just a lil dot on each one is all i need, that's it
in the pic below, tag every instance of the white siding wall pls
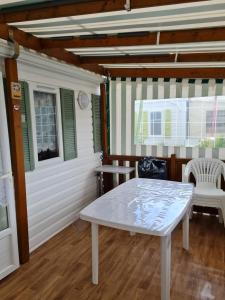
(56, 193)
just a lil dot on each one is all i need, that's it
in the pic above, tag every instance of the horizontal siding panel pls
(54, 199)
(35, 220)
(57, 216)
(58, 188)
(35, 198)
(49, 171)
(60, 177)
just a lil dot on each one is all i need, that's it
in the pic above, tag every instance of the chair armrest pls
(223, 171)
(187, 172)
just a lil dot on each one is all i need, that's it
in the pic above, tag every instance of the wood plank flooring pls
(129, 266)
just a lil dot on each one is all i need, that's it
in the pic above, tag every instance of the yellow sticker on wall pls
(15, 90)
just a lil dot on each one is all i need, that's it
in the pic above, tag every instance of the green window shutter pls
(27, 127)
(68, 124)
(168, 124)
(96, 119)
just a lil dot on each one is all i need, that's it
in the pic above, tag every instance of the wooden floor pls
(129, 266)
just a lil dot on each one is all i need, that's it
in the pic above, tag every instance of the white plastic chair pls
(207, 173)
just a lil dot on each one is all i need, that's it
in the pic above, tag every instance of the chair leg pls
(191, 213)
(223, 211)
(220, 215)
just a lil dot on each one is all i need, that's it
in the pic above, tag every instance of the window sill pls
(48, 162)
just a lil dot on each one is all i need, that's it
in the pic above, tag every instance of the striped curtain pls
(124, 91)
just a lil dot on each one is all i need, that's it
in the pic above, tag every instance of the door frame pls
(11, 231)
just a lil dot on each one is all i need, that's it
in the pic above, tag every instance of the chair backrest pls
(206, 170)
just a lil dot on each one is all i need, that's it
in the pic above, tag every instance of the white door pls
(9, 260)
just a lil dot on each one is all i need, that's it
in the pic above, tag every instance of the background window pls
(156, 119)
(215, 122)
(182, 122)
(46, 128)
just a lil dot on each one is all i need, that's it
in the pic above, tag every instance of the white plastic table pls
(147, 206)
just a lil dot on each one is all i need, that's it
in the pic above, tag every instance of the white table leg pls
(186, 231)
(94, 238)
(165, 266)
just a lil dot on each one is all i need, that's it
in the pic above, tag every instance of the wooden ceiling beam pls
(168, 72)
(166, 37)
(24, 39)
(64, 55)
(167, 58)
(79, 8)
(31, 42)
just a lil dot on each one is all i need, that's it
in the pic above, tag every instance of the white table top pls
(114, 169)
(142, 205)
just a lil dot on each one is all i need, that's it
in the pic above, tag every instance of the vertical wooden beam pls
(173, 168)
(107, 177)
(17, 158)
(104, 119)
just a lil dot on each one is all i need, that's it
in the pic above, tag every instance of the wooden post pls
(104, 119)
(17, 158)
(173, 170)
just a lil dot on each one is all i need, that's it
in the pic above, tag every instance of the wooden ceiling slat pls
(167, 37)
(168, 72)
(108, 41)
(74, 9)
(193, 35)
(127, 59)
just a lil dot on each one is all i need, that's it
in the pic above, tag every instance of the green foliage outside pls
(218, 142)
(141, 127)
(145, 125)
(168, 124)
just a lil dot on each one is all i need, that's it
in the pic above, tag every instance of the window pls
(215, 122)
(156, 119)
(46, 125)
(187, 122)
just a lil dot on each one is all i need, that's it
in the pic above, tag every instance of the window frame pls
(52, 90)
(152, 122)
(216, 123)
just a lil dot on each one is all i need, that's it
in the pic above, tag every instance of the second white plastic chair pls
(207, 173)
